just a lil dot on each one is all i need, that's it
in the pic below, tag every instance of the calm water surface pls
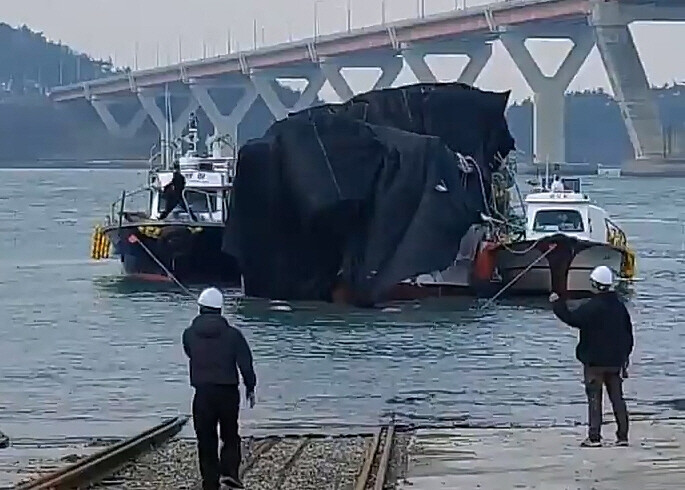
(85, 353)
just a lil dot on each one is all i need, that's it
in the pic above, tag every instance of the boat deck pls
(547, 459)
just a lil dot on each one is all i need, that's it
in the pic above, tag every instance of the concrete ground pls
(548, 459)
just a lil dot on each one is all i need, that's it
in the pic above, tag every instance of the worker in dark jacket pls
(173, 195)
(216, 351)
(606, 342)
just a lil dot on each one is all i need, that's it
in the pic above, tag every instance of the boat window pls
(198, 201)
(572, 184)
(558, 220)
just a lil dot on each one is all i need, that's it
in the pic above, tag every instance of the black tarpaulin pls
(364, 194)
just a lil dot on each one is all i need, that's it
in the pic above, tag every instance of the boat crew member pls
(173, 194)
(606, 342)
(557, 185)
(216, 351)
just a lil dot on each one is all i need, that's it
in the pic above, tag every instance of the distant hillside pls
(33, 128)
(29, 63)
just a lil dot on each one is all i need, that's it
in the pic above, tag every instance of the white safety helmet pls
(211, 298)
(602, 277)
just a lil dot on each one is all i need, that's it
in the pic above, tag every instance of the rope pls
(519, 275)
(466, 165)
(521, 252)
(163, 267)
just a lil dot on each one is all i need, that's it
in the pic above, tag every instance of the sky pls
(145, 33)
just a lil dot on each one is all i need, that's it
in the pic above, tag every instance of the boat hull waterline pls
(538, 279)
(190, 251)
(507, 264)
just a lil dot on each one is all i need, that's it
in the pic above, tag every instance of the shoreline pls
(421, 458)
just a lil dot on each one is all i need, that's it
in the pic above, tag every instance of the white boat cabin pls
(569, 212)
(208, 182)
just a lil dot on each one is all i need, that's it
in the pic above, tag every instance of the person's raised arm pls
(578, 318)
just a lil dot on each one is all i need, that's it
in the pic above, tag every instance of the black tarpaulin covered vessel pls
(364, 194)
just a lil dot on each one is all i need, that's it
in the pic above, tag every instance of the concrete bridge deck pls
(390, 47)
(549, 459)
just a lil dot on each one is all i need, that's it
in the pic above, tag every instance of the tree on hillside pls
(30, 63)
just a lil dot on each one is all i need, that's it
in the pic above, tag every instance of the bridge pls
(469, 32)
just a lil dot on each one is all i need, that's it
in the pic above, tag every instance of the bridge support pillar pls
(549, 142)
(148, 99)
(389, 63)
(128, 130)
(266, 84)
(224, 125)
(628, 80)
(478, 52)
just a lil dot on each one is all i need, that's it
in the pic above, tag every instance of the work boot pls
(231, 482)
(591, 443)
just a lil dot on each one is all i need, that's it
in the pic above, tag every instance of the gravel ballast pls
(290, 463)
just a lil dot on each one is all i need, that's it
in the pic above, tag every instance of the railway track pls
(349, 462)
(103, 463)
(377, 457)
(301, 462)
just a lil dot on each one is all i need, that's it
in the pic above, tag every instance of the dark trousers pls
(216, 405)
(595, 379)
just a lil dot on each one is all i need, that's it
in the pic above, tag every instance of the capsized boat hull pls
(191, 251)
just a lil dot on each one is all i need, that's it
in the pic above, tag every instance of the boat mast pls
(168, 128)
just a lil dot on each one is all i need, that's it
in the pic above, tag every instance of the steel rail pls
(106, 462)
(382, 470)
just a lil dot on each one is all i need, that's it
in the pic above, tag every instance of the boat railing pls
(118, 216)
(208, 197)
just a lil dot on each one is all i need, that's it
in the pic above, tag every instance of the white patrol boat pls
(566, 236)
(179, 234)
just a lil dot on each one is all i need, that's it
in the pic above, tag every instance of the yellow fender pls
(100, 244)
(628, 264)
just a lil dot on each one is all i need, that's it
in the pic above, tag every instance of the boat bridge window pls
(571, 184)
(198, 201)
(558, 220)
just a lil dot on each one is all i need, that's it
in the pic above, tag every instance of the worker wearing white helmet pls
(557, 185)
(216, 351)
(604, 348)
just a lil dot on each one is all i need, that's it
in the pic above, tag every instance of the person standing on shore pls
(606, 342)
(216, 351)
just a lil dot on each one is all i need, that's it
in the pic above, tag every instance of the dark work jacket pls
(216, 351)
(174, 189)
(606, 332)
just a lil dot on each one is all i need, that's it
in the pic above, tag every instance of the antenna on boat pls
(166, 140)
(168, 127)
(547, 187)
